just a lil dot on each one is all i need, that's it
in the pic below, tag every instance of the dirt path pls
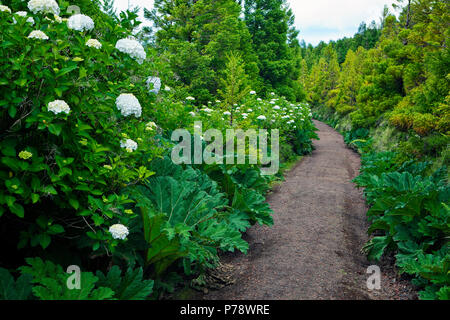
(313, 249)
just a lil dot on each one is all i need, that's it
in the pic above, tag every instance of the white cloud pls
(123, 4)
(333, 19)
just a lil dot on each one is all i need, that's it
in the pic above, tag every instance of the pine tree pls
(270, 23)
(234, 83)
(195, 36)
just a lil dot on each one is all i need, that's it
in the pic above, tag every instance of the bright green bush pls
(411, 211)
(61, 169)
(82, 173)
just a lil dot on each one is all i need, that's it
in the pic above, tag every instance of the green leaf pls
(44, 240)
(130, 286)
(55, 128)
(18, 210)
(66, 70)
(375, 247)
(34, 197)
(14, 290)
(74, 203)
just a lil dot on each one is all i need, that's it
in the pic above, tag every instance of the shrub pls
(63, 150)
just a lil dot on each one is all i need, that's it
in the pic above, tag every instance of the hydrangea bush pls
(74, 109)
(85, 119)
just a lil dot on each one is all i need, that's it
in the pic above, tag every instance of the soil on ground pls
(313, 250)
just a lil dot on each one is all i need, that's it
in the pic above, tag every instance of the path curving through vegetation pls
(313, 249)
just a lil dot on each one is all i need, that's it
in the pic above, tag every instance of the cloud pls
(333, 19)
(123, 4)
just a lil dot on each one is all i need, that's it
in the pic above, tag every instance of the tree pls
(194, 36)
(270, 22)
(234, 83)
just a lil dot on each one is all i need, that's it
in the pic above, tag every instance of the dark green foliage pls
(11, 289)
(50, 283)
(270, 23)
(197, 39)
(184, 216)
(245, 187)
(411, 210)
(129, 286)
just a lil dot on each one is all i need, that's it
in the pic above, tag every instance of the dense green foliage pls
(87, 179)
(409, 208)
(394, 95)
(85, 171)
(403, 78)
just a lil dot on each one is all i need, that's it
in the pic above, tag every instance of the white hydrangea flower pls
(23, 14)
(190, 98)
(94, 43)
(227, 113)
(156, 84)
(128, 104)
(259, 99)
(249, 110)
(207, 110)
(150, 126)
(261, 117)
(132, 48)
(43, 6)
(129, 145)
(252, 92)
(80, 22)
(119, 231)
(58, 106)
(276, 108)
(5, 9)
(37, 34)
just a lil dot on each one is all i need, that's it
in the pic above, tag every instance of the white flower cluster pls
(43, 6)
(5, 9)
(252, 92)
(150, 126)
(129, 145)
(128, 104)
(261, 117)
(190, 98)
(58, 106)
(80, 22)
(133, 48)
(156, 84)
(94, 43)
(23, 14)
(119, 231)
(37, 34)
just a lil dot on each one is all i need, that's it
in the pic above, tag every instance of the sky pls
(317, 19)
